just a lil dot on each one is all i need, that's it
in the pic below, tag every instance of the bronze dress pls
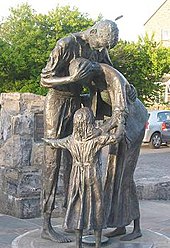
(85, 196)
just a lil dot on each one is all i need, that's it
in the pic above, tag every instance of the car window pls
(168, 116)
(163, 116)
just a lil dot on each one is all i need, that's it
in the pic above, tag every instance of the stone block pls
(11, 103)
(29, 207)
(12, 188)
(30, 184)
(22, 148)
(32, 103)
(163, 190)
(6, 127)
(1, 176)
(16, 151)
(20, 183)
(20, 193)
(37, 155)
(154, 191)
(23, 124)
(6, 153)
(23, 208)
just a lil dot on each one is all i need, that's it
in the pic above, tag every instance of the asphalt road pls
(153, 164)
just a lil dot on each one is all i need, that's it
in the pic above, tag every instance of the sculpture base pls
(148, 240)
(90, 239)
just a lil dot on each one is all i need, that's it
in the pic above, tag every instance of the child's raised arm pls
(56, 143)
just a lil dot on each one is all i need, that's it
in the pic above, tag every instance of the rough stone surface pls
(152, 174)
(154, 190)
(20, 156)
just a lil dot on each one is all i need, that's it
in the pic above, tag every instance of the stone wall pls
(21, 155)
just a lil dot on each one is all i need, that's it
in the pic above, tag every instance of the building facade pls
(159, 24)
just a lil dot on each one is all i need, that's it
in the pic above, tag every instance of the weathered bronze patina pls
(82, 60)
(63, 99)
(85, 208)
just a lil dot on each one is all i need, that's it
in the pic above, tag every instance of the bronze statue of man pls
(63, 99)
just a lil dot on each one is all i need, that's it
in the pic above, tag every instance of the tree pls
(143, 64)
(26, 40)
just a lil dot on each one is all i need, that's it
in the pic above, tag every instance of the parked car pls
(157, 129)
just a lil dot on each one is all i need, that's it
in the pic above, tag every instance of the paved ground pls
(152, 174)
(155, 216)
(153, 165)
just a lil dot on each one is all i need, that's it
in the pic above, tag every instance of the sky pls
(135, 12)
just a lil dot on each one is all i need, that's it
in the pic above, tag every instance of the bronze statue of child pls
(85, 196)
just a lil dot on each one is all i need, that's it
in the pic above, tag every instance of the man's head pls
(104, 34)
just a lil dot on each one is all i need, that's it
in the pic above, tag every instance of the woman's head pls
(81, 66)
(75, 64)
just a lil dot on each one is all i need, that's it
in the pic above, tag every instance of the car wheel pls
(155, 141)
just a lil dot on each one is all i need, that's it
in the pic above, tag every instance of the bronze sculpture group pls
(79, 60)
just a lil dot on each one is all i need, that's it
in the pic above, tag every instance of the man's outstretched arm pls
(83, 71)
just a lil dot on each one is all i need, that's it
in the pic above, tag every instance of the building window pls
(165, 34)
(38, 127)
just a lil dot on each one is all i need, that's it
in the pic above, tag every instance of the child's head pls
(83, 123)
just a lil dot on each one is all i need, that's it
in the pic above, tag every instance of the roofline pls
(155, 11)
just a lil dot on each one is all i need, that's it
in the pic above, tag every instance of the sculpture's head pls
(77, 64)
(83, 123)
(104, 34)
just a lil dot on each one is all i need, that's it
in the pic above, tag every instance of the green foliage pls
(142, 63)
(26, 40)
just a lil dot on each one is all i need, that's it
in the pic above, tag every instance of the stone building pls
(21, 154)
(159, 24)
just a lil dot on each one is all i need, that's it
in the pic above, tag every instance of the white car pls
(157, 129)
